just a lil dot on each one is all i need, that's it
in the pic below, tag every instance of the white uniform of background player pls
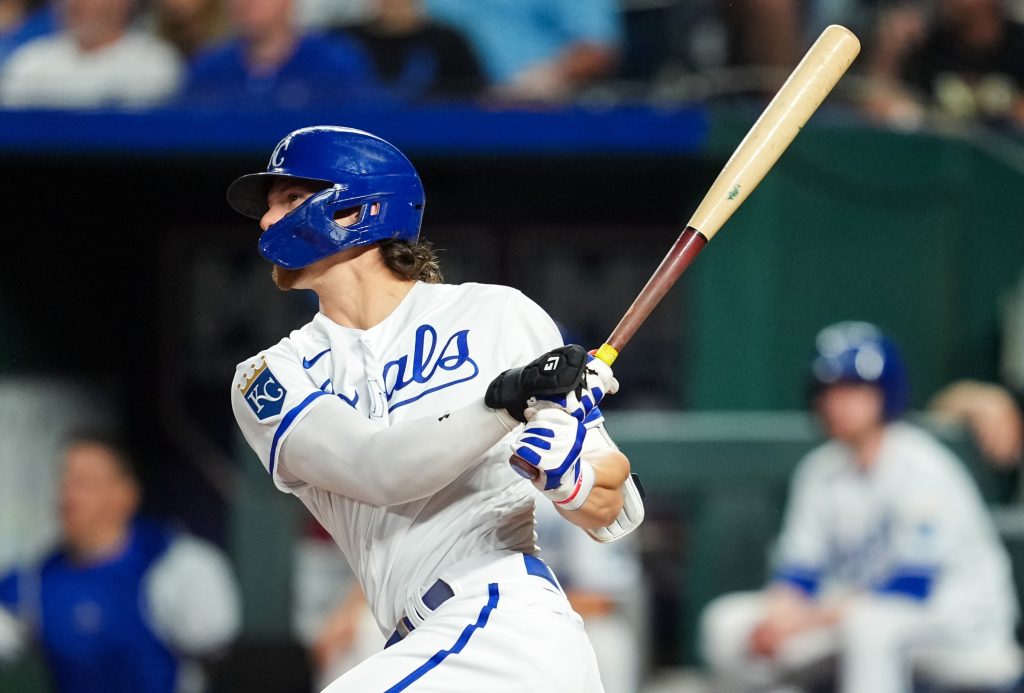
(900, 559)
(383, 434)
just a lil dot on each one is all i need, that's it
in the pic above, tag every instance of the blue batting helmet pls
(858, 352)
(357, 170)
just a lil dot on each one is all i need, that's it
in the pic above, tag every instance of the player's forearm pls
(611, 468)
(395, 464)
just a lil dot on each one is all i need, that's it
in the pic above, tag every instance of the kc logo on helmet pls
(277, 158)
(265, 394)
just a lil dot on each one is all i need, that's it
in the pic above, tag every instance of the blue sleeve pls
(807, 580)
(9, 591)
(915, 582)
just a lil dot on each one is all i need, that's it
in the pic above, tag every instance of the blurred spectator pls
(537, 49)
(21, 21)
(764, 33)
(888, 560)
(604, 586)
(992, 415)
(415, 57)
(190, 25)
(96, 61)
(966, 61)
(123, 602)
(272, 63)
(325, 13)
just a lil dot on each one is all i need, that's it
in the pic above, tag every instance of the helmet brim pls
(247, 194)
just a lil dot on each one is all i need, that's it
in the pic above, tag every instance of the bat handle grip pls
(607, 353)
(523, 468)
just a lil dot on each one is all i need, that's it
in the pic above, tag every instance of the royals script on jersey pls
(437, 351)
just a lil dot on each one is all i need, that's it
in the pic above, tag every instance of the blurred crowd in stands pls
(923, 60)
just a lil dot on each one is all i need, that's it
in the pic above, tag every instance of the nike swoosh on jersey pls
(308, 363)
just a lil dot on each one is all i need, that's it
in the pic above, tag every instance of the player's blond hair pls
(412, 260)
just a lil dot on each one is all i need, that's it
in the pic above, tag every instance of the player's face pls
(284, 196)
(850, 411)
(95, 495)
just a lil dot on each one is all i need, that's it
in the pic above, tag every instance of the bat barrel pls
(797, 99)
(789, 110)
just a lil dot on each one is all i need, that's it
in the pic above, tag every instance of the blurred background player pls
(887, 562)
(124, 605)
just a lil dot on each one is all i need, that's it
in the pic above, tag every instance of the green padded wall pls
(918, 233)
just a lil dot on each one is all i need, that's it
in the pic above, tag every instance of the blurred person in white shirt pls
(98, 61)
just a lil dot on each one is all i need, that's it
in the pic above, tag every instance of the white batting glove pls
(547, 452)
(598, 382)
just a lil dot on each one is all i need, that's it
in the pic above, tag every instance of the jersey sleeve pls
(802, 547)
(307, 437)
(270, 395)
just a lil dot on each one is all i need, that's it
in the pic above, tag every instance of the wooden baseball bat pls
(804, 90)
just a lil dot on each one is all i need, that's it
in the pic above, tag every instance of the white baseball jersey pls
(913, 525)
(399, 518)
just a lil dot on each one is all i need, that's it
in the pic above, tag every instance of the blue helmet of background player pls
(357, 170)
(858, 352)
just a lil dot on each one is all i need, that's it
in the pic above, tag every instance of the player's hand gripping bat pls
(807, 86)
(804, 90)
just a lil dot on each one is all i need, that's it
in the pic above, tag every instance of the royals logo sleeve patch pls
(263, 392)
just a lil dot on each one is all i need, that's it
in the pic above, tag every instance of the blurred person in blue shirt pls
(21, 21)
(124, 604)
(538, 49)
(272, 63)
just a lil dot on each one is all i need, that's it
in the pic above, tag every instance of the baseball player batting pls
(391, 416)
